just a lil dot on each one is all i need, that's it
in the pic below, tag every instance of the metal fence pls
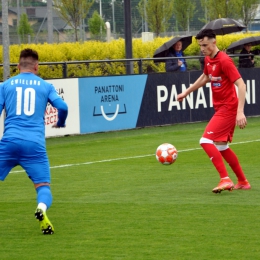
(67, 69)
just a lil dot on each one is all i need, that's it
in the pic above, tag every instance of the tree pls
(157, 13)
(24, 28)
(95, 23)
(136, 20)
(184, 11)
(222, 8)
(238, 9)
(73, 11)
(248, 11)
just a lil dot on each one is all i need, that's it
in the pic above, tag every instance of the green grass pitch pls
(113, 200)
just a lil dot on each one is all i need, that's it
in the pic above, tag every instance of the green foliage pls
(109, 204)
(109, 51)
(157, 14)
(222, 8)
(96, 26)
(73, 11)
(184, 11)
(24, 28)
(237, 9)
(50, 71)
(248, 10)
(193, 64)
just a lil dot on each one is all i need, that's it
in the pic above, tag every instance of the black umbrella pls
(223, 26)
(238, 45)
(164, 49)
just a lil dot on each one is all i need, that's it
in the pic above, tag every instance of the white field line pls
(132, 157)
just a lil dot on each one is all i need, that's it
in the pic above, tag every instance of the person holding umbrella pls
(176, 64)
(246, 61)
(173, 48)
(221, 71)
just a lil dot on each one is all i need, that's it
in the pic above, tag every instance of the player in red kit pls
(220, 70)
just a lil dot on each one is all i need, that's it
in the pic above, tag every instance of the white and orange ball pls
(166, 154)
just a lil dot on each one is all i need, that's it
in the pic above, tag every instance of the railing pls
(63, 66)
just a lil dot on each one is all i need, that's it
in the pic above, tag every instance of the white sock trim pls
(222, 147)
(204, 140)
(42, 206)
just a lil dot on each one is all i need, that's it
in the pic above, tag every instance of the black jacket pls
(172, 65)
(246, 61)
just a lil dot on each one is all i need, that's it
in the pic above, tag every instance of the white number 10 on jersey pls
(28, 105)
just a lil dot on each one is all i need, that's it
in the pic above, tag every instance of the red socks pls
(233, 162)
(216, 158)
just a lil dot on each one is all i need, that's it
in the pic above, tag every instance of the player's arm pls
(1, 109)
(229, 68)
(200, 82)
(241, 119)
(62, 108)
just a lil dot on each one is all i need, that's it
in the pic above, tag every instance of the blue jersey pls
(25, 98)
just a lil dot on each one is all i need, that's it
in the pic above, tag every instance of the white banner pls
(69, 91)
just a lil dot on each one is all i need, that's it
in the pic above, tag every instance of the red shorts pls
(221, 126)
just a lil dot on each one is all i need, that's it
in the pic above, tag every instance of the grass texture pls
(114, 201)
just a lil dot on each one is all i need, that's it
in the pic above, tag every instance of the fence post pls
(140, 66)
(64, 70)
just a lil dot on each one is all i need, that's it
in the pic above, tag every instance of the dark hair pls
(29, 53)
(206, 33)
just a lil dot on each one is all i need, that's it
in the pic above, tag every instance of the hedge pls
(95, 50)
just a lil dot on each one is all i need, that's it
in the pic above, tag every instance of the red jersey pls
(222, 73)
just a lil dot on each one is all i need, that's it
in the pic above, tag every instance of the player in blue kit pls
(25, 98)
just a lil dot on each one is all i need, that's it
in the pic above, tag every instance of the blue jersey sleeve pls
(62, 111)
(57, 102)
(53, 94)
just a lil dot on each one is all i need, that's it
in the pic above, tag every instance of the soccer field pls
(113, 200)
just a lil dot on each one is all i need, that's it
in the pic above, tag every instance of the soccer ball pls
(166, 154)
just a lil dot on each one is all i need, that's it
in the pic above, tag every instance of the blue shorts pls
(29, 155)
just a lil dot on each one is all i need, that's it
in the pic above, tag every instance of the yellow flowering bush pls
(115, 50)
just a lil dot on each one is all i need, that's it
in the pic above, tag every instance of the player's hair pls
(28, 57)
(206, 33)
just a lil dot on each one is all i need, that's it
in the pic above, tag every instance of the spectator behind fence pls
(246, 61)
(176, 64)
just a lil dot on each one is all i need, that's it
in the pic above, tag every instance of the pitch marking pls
(131, 157)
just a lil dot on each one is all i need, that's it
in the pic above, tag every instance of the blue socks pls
(44, 195)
